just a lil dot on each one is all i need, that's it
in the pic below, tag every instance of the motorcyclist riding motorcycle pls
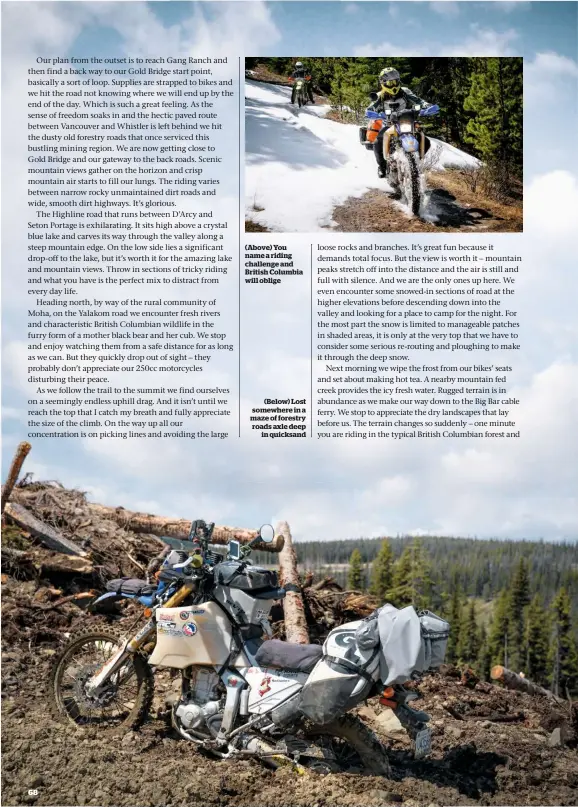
(299, 71)
(397, 98)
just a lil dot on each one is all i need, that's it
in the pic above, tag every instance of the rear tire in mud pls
(135, 710)
(413, 190)
(359, 737)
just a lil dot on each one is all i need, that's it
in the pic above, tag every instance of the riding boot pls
(381, 161)
(293, 90)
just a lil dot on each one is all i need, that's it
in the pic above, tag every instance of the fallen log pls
(293, 608)
(512, 680)
(163, 526)
(21, 453)
(32, 562)
(46, 534)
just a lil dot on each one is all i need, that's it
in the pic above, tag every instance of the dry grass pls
(253, 227)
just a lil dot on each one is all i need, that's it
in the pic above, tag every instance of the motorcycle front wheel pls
(353, 746)
(123, 706)
(412, 185)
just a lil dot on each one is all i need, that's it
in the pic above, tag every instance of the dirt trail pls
(448, 207)
(474, 761)
(490, 746)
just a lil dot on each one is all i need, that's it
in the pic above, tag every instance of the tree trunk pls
(19, 457)
(43, 532)
(512, 680)
(164, 526)
(293, 608)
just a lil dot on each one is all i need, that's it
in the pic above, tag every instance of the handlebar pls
(391, 114)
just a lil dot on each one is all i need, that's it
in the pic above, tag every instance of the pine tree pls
(356, 576)
(455, 620)
(382, 572)
(412, 584)
(563, 657)
(484, 661)
(469, 641)
(495, 128)
(499, 633)
(519, 600)
(538, 631)
(421, 581)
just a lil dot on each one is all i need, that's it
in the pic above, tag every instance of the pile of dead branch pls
(327, 605)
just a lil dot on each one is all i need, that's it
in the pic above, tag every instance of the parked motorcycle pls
(242, 694)
(403, 148)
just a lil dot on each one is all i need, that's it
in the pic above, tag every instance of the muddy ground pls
(476, 759)
(449, 207)
(490, 746)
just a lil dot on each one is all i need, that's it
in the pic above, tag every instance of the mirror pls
(374, 96)
(267, 534)
(234, 550)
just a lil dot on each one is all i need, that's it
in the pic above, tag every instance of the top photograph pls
(392, 144)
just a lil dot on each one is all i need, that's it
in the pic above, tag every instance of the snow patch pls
(299, 165)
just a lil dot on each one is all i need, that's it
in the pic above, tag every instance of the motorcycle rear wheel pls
(357, 744)
(120, 710)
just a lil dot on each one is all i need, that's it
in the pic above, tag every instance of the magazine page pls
(289, 403)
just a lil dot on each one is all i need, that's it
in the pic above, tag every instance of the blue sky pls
(342, 488)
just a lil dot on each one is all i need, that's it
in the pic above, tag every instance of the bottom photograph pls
(149, 660)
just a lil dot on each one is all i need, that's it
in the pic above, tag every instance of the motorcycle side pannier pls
(435, 633)
(340, 679)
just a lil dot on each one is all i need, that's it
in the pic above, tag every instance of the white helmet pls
(298, 64)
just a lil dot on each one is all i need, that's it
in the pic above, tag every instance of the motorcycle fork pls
(129, 647)
(421, 145)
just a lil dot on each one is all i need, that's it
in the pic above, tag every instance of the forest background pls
(480, 99)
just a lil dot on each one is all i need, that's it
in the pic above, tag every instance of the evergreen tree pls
(499, 634)
(519, 600)
(421, 581)
(412, 584)
(469, 641)
(356, 577)
(538, 633)
(382, 572)
(401, 591)
(495, 128)
(484, 661)
(563, 658)
(455, 620)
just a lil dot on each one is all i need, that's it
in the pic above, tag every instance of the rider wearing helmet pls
(395, 97)
(299, 71)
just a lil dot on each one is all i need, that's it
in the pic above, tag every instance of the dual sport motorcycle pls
(403, 144)
(244, 694)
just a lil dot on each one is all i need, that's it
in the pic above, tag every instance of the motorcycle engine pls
(201, 703)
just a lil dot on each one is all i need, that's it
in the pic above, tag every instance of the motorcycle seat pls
(130, 587)
(288, 655)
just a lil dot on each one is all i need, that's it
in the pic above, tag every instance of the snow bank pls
(299, 165)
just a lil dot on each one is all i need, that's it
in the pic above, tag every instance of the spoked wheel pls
(123, 705)
(349, 746)
(412, 189)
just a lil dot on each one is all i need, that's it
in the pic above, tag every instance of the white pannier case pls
(391, 645)
(341, 678)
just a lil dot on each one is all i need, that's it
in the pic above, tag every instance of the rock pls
(383, 796)
(539, 737)
(455, 732)
(37, 781)
(128, 739)
(556, 739)
(389, 723)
